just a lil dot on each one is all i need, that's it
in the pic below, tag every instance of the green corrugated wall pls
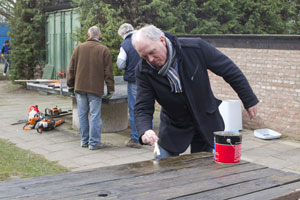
(59, 44)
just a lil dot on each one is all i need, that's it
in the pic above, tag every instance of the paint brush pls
(156, 152)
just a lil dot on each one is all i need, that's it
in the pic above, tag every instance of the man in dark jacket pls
(127, 60)
(174, 72)
(90, 66)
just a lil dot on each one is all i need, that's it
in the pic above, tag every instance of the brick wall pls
(272, 67)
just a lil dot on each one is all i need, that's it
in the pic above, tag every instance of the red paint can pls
(228, 147)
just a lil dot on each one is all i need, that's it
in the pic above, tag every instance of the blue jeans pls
(165, 154)
(7, 64)
(90, 129)
(131, 90)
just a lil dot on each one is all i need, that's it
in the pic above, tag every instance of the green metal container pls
(59, 43)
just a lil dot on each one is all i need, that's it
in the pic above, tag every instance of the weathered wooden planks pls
(194, 176)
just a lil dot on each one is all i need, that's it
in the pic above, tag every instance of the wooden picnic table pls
(193, 176)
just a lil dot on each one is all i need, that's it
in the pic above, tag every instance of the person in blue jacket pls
(5, 55)
(174, 72)
(127, 60)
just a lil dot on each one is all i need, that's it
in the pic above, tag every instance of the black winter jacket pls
(199, 113)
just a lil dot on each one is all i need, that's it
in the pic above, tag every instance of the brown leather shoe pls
(133, 144)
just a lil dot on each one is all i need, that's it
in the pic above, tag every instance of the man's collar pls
(93, 39)
(128, 34)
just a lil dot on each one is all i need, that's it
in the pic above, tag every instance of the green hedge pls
(175, 16)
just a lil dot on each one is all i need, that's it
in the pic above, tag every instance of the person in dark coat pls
(127, 60)
(173, 71)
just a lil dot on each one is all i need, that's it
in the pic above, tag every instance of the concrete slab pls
(276, 163)
(291, 155)
(69, 164)
(94, 157)
(39, 150)
(63, 155)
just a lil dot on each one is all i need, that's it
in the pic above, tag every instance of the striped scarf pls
(170, 68)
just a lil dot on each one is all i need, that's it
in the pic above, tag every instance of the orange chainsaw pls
(47, 124)
(54, 112)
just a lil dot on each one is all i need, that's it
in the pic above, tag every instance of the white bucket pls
(231, 111)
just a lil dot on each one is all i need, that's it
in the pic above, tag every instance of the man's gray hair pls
(149, 31)
(125, 28)
(94, 31)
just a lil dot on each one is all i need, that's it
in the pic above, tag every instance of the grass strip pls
(16, 163)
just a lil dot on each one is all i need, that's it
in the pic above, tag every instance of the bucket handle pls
(228, 140)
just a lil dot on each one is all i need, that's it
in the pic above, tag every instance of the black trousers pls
(199, 144)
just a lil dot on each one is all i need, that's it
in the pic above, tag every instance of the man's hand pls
(252, 111)
(109, 95)
(71, 91)
(149, 137)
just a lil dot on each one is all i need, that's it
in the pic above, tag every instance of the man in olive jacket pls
(89, 68)
(174, 73)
